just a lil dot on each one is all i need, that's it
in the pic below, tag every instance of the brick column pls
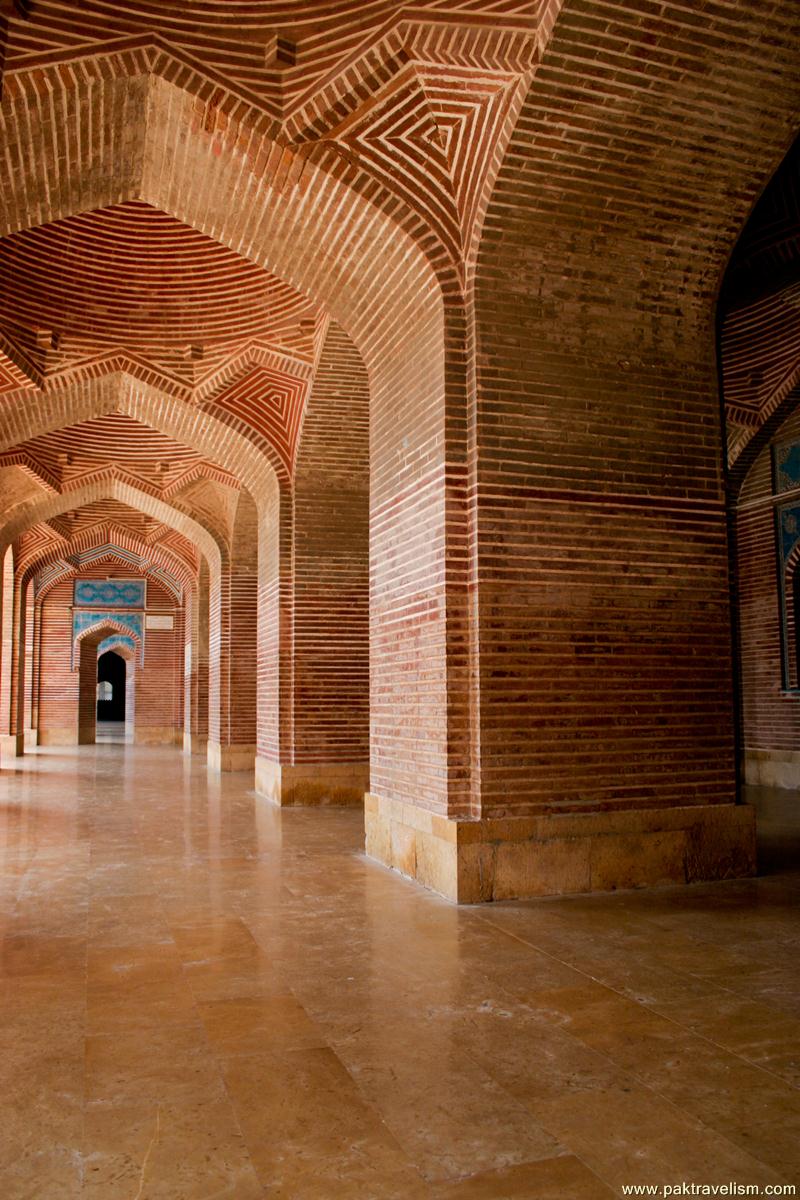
(195, 665)
(195, 739)
(87, 691)
(233, 653)
(130, 697)
(328, 759)
(600, 686)
(19, 661)
(159, 683)
(8, 744)
(36, 669)
(28, 726)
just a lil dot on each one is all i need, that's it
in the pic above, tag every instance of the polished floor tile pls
(205, 998)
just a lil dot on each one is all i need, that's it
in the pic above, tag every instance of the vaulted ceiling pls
(134, 279)
(411, 108)
(114, 443)
(277, 49)
(39, 478)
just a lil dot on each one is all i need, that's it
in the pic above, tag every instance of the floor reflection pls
(203, 996)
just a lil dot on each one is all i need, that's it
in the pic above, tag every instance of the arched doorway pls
(103, 645)
(111, 689)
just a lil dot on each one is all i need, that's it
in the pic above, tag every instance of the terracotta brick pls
(389, 360)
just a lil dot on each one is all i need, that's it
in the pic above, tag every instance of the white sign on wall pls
(159, 621)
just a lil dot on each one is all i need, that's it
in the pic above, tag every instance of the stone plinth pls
(473, 861)
(58, 736)
(154, 735)
(12, 745)
(195, 743)
(230, 758)
(772, 768)
(341, 785)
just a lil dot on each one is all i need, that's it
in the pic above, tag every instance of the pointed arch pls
(24, 515)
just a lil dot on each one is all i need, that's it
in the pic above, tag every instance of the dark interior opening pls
(111, 670)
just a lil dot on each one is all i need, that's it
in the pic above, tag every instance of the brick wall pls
(331, 583)
(242, 649)
(158, 684)
(604, 653)
(7, 642)
(274, 653)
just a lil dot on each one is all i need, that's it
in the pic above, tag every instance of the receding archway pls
(110, 687)
(119, 664)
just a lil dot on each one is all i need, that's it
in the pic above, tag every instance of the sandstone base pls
(195, 743)
(12, 745)
(230, 758)
(154, 735)
(58, 737)
(772, 768)
(474, 861)
(340, 785)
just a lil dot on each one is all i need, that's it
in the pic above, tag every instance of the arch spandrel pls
(105, 627)
(94, 548)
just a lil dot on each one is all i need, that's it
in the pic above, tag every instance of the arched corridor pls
(400, 512)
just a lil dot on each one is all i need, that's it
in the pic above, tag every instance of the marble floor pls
(204, 997)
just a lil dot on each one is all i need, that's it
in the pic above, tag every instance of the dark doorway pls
(110, 687)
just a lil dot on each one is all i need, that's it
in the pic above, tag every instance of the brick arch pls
(231, 180)
(105, 532)
(25, 515)
(85, 656)
(212, 167)
(32, 414)
(765, 343)
(103, 628)
(121, 648)
(749, 453)
(99, 539)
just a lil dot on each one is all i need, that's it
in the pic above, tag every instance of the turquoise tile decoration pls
(109, 593)
(786, 466)
(115, 640)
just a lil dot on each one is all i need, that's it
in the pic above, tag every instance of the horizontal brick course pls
(385, 350)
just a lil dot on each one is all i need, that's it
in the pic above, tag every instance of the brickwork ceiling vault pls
(410, 107)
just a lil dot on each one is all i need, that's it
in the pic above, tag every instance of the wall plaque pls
(159, 621)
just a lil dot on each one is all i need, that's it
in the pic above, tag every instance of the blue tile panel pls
(109, 593)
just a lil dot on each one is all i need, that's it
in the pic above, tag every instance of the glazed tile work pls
(207, 997)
